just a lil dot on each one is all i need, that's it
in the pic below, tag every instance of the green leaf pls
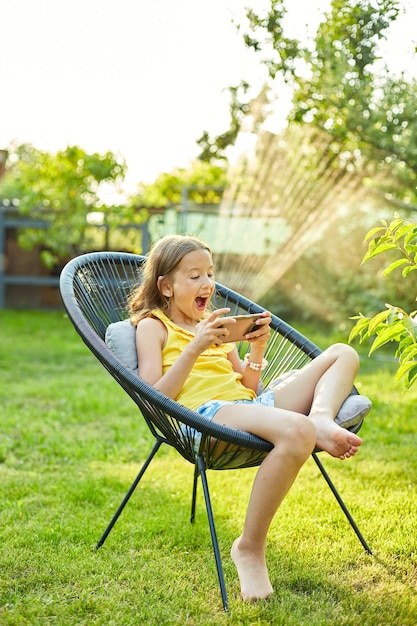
(411, 377)
(391, 333)
(379, 249)
(373, 232)
(404, 368)
(402, 231)
(396, 225)
(410, 326)
(393, 312)
(406, 271)
(360, 328)
(411, 236)
(394, 266)
(378, 319)
(408, 353)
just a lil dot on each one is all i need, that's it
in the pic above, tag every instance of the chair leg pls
(194, 496)
(125, 500)
(341, 503)
(202, 472)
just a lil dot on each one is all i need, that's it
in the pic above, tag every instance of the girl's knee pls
(301, 435)
(346, 353)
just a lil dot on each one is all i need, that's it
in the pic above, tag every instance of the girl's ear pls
(164, 287)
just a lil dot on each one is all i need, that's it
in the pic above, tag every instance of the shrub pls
(393, 324)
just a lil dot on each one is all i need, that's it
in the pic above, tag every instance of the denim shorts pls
(210, 408)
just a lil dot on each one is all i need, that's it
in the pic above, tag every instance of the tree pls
(285, 53)
(391, 138)
(369, 113)
(265, 35)
(64, 189)
(340, 87)
(213, 148)
(365, 115)
(204, 184)
(394, 324)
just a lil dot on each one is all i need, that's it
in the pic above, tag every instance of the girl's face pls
(191, 287)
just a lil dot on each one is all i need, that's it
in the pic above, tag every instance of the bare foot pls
(335, 440)
(253, 574)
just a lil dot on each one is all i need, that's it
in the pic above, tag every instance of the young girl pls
(183, 352)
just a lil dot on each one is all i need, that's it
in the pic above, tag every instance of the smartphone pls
(244, 324)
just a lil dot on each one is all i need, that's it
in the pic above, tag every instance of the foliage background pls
(341, 88)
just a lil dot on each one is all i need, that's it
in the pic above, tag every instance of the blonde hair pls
(163, 259)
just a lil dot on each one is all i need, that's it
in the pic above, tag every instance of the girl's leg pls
(293, 436)
(318, 390)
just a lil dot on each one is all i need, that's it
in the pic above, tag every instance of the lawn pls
(71, 442)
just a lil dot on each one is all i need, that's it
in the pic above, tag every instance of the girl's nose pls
(208, 281)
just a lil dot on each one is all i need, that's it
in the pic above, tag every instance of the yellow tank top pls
(212, 376)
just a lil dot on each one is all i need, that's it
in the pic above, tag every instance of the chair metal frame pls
(94, 289)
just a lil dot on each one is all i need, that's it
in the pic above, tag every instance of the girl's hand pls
(260, 336)
(211, 331)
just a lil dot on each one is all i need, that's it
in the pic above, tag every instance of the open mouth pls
(201, 303)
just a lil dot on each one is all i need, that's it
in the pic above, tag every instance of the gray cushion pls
(121, 339)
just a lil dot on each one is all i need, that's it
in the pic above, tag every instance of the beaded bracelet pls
(258, 367)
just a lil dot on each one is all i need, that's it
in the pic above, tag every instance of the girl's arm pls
(258, 341)
(151, 336)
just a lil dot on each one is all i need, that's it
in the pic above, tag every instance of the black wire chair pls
(94, 289)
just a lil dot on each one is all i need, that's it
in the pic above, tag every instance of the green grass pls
(71, 442)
